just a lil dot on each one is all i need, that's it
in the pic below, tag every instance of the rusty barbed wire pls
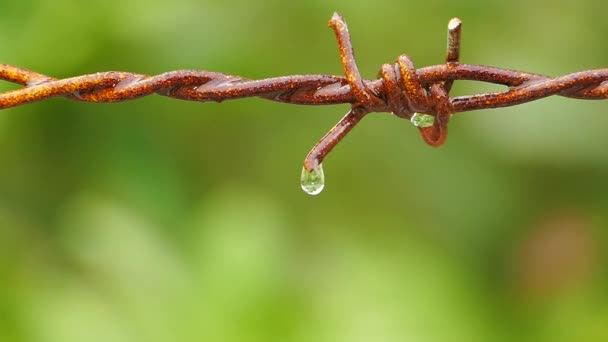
(401, 89)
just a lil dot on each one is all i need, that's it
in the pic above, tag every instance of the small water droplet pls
(38, 81)
(127, 82)
(422, 120)
(313, 182)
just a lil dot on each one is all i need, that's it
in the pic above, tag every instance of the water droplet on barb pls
(313, 182)
(422, 120)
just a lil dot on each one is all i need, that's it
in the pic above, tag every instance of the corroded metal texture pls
(401, 89)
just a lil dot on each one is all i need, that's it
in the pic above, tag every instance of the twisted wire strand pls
(401, 89)
(198, 85)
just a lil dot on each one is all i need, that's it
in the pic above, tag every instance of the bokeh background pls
(163, 220)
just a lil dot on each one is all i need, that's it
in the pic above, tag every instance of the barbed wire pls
(401, 89)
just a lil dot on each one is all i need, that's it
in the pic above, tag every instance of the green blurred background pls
(164, 220)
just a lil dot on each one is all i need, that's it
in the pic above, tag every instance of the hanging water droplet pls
(313, 182)
(422, 120)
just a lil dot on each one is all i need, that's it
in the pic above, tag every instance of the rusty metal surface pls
(401, 89)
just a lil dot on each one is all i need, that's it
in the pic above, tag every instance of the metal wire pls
(402, 90)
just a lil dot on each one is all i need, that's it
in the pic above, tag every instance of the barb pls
(401, 89)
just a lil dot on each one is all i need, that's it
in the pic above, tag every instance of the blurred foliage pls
(163, 220)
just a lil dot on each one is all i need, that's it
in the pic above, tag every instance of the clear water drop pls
(313, 182)
(422, 120)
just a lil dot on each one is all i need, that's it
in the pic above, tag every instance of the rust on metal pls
(401, 89)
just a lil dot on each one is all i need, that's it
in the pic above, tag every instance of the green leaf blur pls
(163, 220)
